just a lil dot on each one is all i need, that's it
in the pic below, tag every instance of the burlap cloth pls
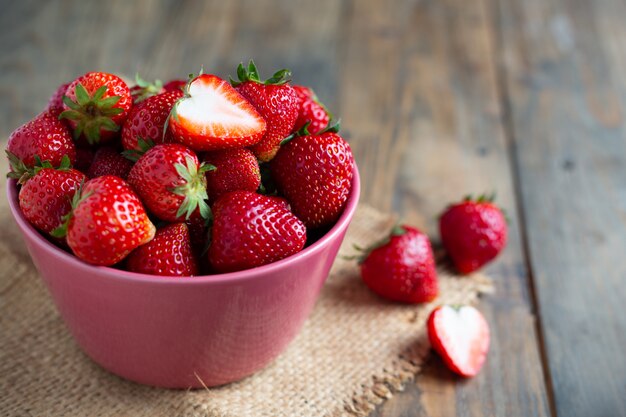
(354, 351)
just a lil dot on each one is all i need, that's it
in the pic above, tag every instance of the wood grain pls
(416, 85)
(563, 63)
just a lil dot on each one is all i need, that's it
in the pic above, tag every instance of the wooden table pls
(438, 98)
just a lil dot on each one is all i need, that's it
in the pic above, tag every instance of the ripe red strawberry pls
(171, 182)
(402, 268)
(47, 196)
(84, 158)
(175, 85)
(44, 137)
(144, 89)
(108, 161)
(213, 116)
(310, 110)
(473, 232)
(251, 230)
(96, 106)
(55, 104)
(168, 254)
(460, 335)
(275, 100)
(147, 120)
(235, 169)
(315, 174)
(106, 223)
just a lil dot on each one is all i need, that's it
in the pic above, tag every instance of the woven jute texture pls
(354, 351)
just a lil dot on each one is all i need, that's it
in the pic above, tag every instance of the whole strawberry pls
(168, 254)
(473, 232)
(235, 169)
(106, 223)
(84, 158)
(144, 89)
(315, 173)
(46, 197)
(402, 268)
(310, 110)
(44, 138)
(55, 104)
(171, 182)
(108, 161)
(213, 115)
(251, 230)
(275, 100)
(147, 119)
(175, 85)
(96, 106)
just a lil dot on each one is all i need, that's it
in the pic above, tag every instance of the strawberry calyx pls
(333, 127)
(396, 230)
(144, 89)
(194, 188)
(144, 146)
(482, 198)
(23, 173)
(92, 113)
(79, 197)
(250, 73)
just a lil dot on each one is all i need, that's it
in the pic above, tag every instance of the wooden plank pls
(563, 63)
(419, 99)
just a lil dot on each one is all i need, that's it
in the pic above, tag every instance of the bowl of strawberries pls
(184, 230)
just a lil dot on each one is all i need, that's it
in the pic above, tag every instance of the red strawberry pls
(44, 137)
(107, 161)
(144, 89)
(473, 233)
(235, 169)
(213, 116)
(96, 106)
(147, 120)
(275, 100)
(84, 158)
(47, 196)
(251, 230)
(171, 182)
(55, 104)
(175, 85)
(402, 268)
(460, 335)
(107, 222)
(315, 174)
(310, 110)
(168, 254)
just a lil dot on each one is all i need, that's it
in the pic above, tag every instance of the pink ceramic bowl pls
(181, 333)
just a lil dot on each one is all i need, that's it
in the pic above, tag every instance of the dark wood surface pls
(438, 98)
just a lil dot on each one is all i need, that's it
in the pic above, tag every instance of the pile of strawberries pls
(183, 178)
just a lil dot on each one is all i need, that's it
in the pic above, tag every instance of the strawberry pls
(315, 173)
(275, 100)
(84, 158)
(460, 335)
(251, 230)
(168, 254)
(96, 105)
(175, 85)
(235, 169)
(171, 182)
(144, 89)
(55, 104)
(310, 110)
(401, 267)
(473, 232)
(147, 120)
(44, 138)
(107, 161)
(213, 115)
(106, 223)
(47, 196)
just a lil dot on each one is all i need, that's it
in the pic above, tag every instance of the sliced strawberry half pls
(460, 335)
(213, 116)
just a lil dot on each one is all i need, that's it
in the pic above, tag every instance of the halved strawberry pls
(460, 335)
(213, 115)
(168, 254)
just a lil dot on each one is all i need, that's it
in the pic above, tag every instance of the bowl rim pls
(229, 277)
